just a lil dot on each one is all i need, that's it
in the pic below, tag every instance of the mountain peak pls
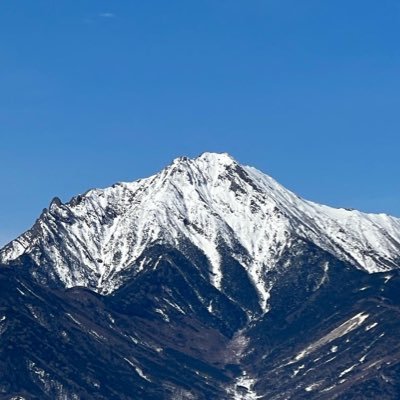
(221, 158)
(206, 163)
(211, 202)
(207, 157)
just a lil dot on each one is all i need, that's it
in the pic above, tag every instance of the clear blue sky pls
(94, 92)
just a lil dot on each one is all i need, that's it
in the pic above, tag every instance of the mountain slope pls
(331, 333)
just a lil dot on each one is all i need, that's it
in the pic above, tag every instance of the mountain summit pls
(98, 239)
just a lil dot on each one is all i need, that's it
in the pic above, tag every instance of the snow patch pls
(243, 389)
(138, 370)
(369, 327)
(338, 332)
(73, 319)
(312, 387)
(346, 371)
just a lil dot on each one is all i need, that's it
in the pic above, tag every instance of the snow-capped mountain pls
(206, 281)
(210, 201)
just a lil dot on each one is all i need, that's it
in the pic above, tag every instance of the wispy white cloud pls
(92, 19)
(107, 15)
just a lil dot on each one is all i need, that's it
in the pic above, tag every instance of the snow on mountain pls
(210, 201)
